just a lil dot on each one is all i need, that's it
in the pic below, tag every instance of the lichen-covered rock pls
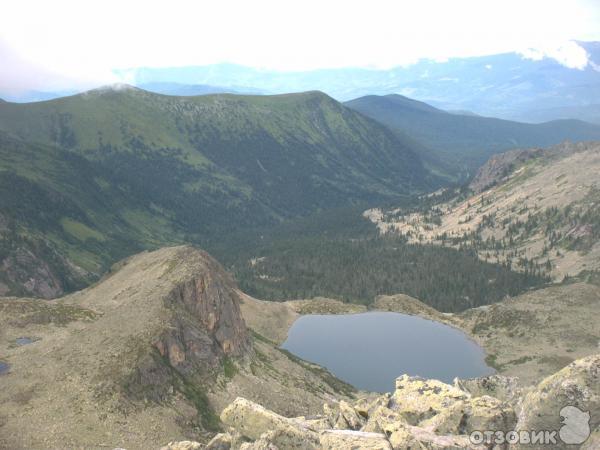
(261, 444)
(221, 441)
(352, 440)
(183, 445)
(290, 437)
(577, 385)
(430, 415)
(343, 416)
(473, 414)
(402, 437)
(498, 386)
(366, 405)
(314, 423)
(380, 418)
(251, 419)
(417, 399)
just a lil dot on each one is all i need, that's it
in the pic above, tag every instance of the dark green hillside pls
(90, 178)
(63, 219)
(294, 152)
(467, 140)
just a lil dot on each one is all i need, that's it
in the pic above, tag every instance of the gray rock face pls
(207, 322)
(24, 268)
(204, 325)
(500, 166)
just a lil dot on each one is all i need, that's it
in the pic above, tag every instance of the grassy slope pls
(99, 175)
(464, 139)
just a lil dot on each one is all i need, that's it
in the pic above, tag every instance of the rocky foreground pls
(425, 414)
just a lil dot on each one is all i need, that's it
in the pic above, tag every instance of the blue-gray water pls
(370, 350)
(24, 341)
(3, 367)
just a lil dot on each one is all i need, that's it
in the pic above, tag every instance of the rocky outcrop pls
(499, 386)
(568, 401)
(24, 268)
(206, 318)
(203, 326)
(420, 413)
(499, 167)
(431, 415)
(134, 359)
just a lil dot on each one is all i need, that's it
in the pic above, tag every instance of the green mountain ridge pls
(467, 141)
(88, 179)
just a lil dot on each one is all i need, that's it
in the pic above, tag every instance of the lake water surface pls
(370, 350)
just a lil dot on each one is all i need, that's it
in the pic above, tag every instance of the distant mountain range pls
(506, 85)
(91, 178)
(166, 88)
(509, 86)
(467, 140)
(179, 89)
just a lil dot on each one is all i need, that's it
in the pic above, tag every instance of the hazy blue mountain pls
(36, 96)
(178, 89)
(589, 113)
(467, 139)
(504, 85)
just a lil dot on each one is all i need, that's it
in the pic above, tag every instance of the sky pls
(62, 44)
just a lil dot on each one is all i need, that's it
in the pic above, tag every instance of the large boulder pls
(498, 386)
(352, 440)
(183, 445)
(403, 436)
(343, 416)
(366, 405)
(431, 415)
(574, 394)
(222, 441)
(289, 437)
(417, 399)
(381, 418)
(251, 419)
(474, 414)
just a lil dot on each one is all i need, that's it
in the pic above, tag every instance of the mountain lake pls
(370, 350)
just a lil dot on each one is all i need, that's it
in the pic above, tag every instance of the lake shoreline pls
(371, 349)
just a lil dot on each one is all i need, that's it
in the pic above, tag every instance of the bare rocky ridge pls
(152, 352)
(499, 168)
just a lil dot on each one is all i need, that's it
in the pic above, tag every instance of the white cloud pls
(569, 54)
(87, 40)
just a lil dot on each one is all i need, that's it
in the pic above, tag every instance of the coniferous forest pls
(340, 255)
